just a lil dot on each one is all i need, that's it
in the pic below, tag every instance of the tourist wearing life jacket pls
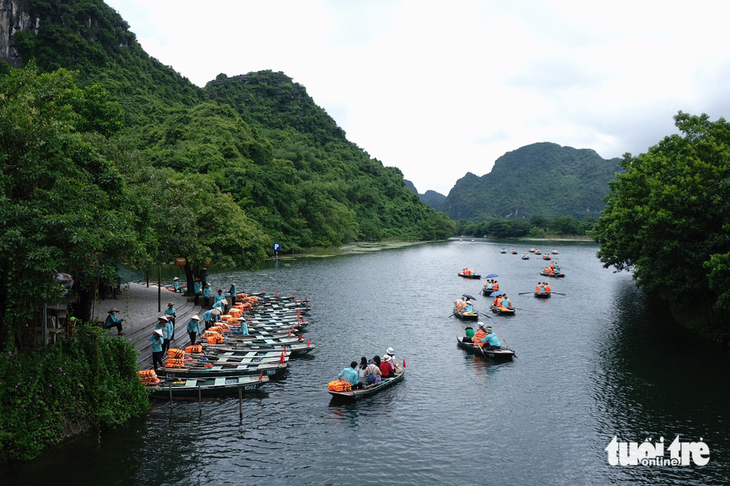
(469, 307)
(496, 301)
(490, 285)
(496, 285)
(490, 341)
(505, 302)
(547, 287)
(479, 335)
(538, 288)
(552, 265)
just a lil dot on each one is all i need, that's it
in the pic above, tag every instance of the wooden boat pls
(552, 274)
(502, 311)
(243, 355)
(545, 256)
(542, 295)
(504, 250)
(368, 392)
(466, 316)
(554, 252)
(502, 354)
(297, 349)
(222, 385)
(488, 292)
(514, 252)
(198, 368)
(525, 257)
(538, 252)
(471, 275)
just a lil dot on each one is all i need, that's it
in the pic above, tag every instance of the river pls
(591, 365)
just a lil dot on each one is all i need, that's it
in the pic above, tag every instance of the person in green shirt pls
(468, 334)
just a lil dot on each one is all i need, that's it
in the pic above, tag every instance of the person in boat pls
(552, 265)
(349, 374)
(193, 329)
(489, 285)
(505, 302)
(244, 326)
(113, 320)
(373, 375)
(496, 301)
(468, 334)
(386, 367)
(479, 335)
(557, 269)
(539, 289)
(548, 270)
(490, 341)
(157, 343)
(469, 307)
(495, 285)
(396, 367)
(459, 304)
(547, 287)
(362, 370)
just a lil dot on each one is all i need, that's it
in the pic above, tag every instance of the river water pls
(591, 365)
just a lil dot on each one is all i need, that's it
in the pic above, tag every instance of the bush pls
(88, 382)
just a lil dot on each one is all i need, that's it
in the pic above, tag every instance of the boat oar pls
(523, 293)
(485, 315)
(559, 293)
(509, 347)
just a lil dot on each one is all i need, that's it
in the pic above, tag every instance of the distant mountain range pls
(539, 179)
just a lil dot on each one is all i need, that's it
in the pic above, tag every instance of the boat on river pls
(475, 276)
(542, 295)
(552, 274)
(207, 387)
(369, 391)
(500, 354)
(204, 367)
(502, 311)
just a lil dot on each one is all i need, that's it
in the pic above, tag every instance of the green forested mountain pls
(539, 179)
(283, 159)
(154, 168)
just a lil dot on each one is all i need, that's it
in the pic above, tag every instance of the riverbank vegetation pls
(87, 382)
(537, 226)
(666, 219)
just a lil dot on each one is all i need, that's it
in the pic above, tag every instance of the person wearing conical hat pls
(193, 328)
(113, 320)
(490, 341)
(206, 296)
(176, 284)
(157, 343)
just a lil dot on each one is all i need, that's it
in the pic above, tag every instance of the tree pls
(63, 206)
(666, 217)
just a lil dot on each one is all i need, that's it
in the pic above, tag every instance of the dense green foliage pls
(542, 178)
(537, 227)
(667, 218)
(319, 189)
(52, 393)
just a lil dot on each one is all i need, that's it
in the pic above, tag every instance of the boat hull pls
(502, 354)
(193, 387)
(368, 392)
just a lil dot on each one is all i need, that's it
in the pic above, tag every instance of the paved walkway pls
(138, 306)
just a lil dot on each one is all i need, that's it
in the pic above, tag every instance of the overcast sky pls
(442, 88)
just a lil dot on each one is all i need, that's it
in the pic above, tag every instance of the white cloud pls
(439, 88)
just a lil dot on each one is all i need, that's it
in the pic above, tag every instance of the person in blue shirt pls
(171, 314)
(469, 307)
(232, 291)
(197, 289)
(157, 343)
(350, 375)
(506, 303)
(206, 296)
(112, 320)
(244, 326)
(193, 328)
(208, 318)
(176, 284)
(162, 327)
(491, 341)
(218, 296)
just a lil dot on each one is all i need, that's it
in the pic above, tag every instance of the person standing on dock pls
(232, 291)
(157, 343)
(197, 289)
(193, 328)
(171, 314)
(206, 296)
